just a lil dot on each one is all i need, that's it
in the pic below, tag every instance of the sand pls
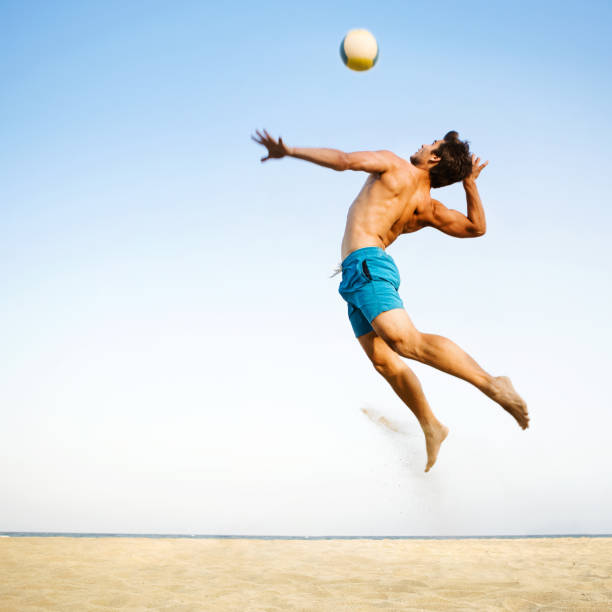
(83, 574)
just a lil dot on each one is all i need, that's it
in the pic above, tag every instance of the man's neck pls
(422, 174)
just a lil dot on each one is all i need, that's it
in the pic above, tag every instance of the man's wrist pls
(469, 182)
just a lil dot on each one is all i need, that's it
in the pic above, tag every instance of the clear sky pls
(173, 354)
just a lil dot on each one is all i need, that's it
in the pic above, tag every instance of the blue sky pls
(174, 355)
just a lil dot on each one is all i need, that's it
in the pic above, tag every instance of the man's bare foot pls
(434, 436)
(505, 395)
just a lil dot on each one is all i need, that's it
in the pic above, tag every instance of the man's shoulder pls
(391, 156)
(403, 171)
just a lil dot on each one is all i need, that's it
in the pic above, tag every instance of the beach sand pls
(83, 574)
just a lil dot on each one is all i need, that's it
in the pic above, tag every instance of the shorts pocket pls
(381, 270)
(353, 278)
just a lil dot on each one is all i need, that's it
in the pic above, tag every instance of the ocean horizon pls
(69, 534)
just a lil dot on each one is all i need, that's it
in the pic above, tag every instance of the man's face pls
(424, 157)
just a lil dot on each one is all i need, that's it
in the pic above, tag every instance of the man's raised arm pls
(367, 161)
(457, 224)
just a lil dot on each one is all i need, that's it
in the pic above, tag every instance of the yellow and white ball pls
(359, 50)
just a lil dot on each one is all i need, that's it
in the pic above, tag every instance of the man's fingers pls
(266, 140)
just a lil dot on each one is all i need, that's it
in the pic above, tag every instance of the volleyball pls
(359, 50)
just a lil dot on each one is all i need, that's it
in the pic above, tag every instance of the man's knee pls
(399, 333)
(386, 367)
(385, 361)
(408, 345)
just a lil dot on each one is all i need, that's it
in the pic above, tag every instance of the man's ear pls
(434, 158)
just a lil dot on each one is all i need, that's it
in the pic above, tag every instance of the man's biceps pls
(355, 161)
(467, 229)
(367, 160)
(455, 223)
(457, 230)
(446, 216)
(458, 218)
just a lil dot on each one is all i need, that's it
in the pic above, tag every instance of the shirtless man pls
(394, 200)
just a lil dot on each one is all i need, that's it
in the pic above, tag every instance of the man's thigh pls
(395, 327)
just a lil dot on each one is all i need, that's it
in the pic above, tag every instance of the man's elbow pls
(343, 162)
(475, 231)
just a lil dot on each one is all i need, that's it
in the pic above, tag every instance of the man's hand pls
(476, 169)
(276, 150)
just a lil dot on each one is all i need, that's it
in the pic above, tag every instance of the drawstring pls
(337, 270)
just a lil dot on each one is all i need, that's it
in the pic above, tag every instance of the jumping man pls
(394, 200)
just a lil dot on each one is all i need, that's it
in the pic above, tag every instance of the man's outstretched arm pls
(366, 161)
(457, 224)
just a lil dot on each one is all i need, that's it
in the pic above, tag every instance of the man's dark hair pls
(455, 161)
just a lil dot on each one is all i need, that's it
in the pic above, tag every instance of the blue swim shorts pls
(370, 280)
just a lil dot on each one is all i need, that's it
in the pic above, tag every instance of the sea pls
(52, 534)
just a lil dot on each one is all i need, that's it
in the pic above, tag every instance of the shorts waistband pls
(363, 252)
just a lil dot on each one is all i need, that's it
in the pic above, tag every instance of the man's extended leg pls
(396, 329)
(405, 383)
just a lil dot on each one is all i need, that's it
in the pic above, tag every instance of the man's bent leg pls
(396, 329)
(408, 387)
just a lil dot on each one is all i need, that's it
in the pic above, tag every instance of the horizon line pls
(50, 534)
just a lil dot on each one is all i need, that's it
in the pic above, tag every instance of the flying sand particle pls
(379, 419)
